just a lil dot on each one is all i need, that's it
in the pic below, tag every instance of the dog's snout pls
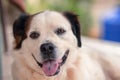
(47, 48)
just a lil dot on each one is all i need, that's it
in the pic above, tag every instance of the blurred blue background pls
(111, 25)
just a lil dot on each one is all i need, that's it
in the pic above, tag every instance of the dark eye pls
(34, 35)
(60, 31)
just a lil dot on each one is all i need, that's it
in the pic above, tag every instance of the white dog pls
(48, 47)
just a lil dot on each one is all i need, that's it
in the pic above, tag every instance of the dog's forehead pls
(49, 19)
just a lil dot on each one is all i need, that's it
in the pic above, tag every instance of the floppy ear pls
(75, 25)
(19, 30)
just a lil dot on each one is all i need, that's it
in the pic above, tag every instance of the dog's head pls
(45, 39)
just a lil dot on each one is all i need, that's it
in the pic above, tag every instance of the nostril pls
(51, 48)
(43, 49)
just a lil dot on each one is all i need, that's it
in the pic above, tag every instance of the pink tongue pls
(50, 67)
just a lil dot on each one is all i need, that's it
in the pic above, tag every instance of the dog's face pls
(45, 40)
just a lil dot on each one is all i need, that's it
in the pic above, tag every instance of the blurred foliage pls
(79, 7)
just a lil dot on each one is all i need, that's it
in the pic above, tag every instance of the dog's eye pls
(60, 31)
(34, 35)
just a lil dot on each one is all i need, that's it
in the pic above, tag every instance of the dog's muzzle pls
(51, 67)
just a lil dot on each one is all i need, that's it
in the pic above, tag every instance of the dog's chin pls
(51, 67)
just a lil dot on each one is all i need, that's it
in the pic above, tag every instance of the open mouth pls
(51, 67)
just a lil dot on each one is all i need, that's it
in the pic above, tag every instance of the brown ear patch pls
(20, 28)
(75, 25)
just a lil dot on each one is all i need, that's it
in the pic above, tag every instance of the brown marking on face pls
(21, 33)
(17, 40)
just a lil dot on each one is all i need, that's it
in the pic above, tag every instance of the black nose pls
(47, 48)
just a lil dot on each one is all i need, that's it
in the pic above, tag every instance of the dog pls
(48, 47)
